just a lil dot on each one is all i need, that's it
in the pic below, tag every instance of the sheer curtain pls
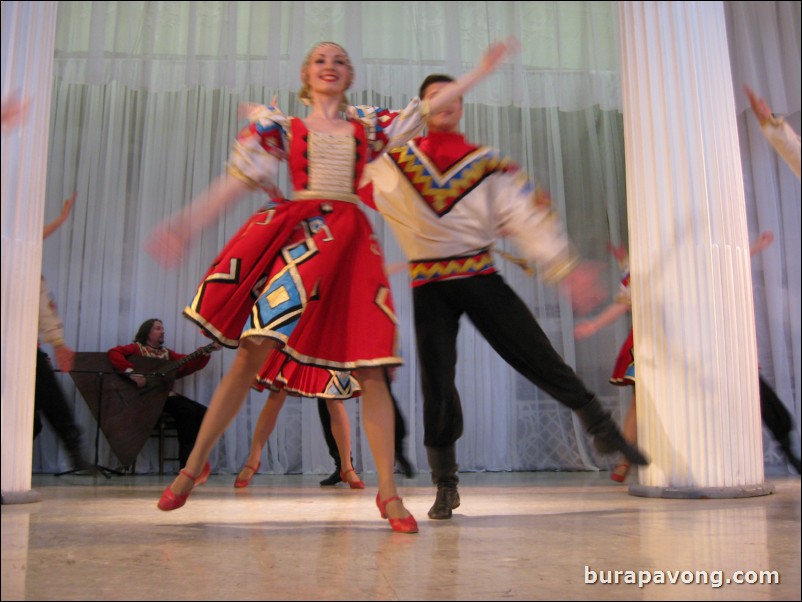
(145, 106)
(765, 53)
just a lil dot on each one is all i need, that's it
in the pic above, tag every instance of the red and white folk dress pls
(308, 273)
(624, 369)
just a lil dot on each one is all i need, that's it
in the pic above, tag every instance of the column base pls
(702, 493)
(21, 497)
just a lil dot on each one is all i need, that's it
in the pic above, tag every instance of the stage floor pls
(516, 536)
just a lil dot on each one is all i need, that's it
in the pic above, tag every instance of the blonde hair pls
(305, 94)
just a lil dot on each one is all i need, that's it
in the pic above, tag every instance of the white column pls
(28, 41)
(693, 319)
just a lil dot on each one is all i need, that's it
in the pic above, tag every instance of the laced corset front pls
(331, 163)
(326, 165)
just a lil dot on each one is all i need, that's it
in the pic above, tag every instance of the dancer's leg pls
(379, 421)
(225, 404)
(630, 433)
(341, 430)
(631, 421)
(264, 427)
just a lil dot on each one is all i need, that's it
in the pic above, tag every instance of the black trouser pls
(325, 422)
(188, 415)
(774, 413)
(503, 319)
(49, 400)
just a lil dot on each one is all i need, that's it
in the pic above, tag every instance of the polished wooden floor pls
(516, 536)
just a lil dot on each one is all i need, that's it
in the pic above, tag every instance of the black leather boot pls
(332, 479)
(447, 499)
(443, 462)
(607, 439)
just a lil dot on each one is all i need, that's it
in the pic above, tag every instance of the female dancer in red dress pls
(624, 370)
(301, 290)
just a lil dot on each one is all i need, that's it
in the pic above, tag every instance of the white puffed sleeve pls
(260, 147)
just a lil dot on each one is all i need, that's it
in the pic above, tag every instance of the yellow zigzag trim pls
(421, 271)
(442, 198)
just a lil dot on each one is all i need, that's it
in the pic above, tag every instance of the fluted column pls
(693, 319)
(28, 42)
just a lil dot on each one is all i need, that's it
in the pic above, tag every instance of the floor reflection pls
(516, 536)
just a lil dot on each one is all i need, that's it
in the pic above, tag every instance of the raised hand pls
(67, 207)
(65, 213)
(14, 111)
(763, 240)
(759, 106)
(585, 329)
(167, 245)
(497, 53)
(619, 252)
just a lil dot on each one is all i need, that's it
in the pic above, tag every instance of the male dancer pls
(49, 398)
(447, 202)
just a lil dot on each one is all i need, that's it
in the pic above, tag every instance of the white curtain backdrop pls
(145, 98)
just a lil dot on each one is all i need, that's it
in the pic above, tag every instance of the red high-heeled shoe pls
(620, 472)
(358, 484)
(204, 475)
(400, 525)
(173, 501)
(240, 483)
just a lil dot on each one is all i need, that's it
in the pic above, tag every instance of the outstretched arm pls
(65, 213)
(610, 314)
(495, 55)
(779, 134)
(170, 239)
(253, 163)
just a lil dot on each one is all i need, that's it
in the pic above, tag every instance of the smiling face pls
(327, 69)
(446, 119)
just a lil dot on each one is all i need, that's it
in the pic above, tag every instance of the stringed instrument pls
(127, 413)
(156, 369)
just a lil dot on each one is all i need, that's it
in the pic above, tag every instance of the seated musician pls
(149, 342)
